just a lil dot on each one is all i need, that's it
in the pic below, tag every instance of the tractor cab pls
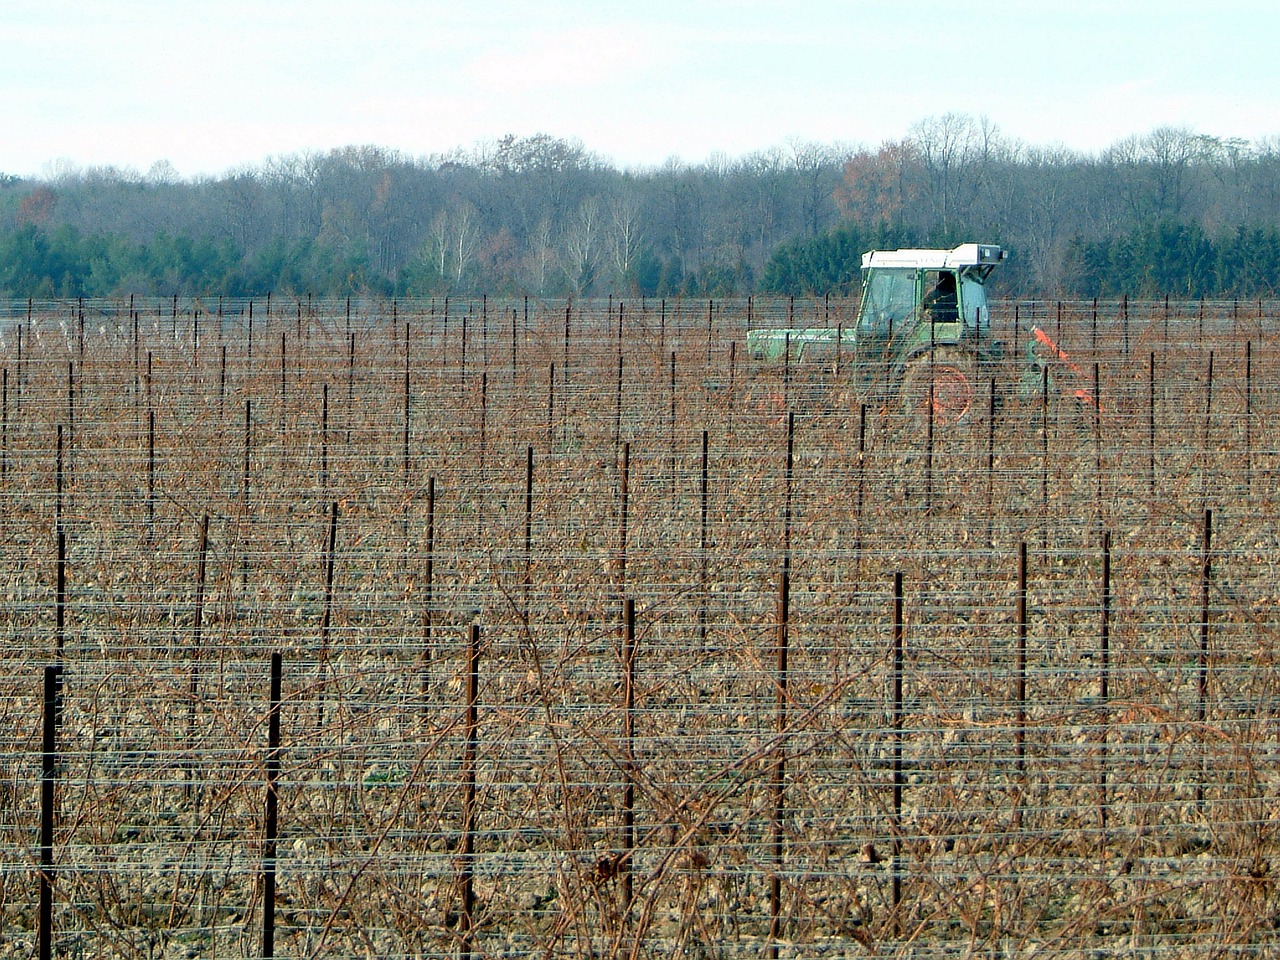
(923, 333)
(914, 299)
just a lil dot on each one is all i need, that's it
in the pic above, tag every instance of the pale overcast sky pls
(218, 84)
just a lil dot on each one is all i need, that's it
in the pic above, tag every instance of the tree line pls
(1170, 211)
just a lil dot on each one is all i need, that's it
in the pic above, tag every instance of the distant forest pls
(1168, 212)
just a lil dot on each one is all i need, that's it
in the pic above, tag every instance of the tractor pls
(922, 340)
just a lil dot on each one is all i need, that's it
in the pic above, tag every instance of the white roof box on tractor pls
(965, 255)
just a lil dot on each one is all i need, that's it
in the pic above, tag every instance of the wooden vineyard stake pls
(899, 780)
(778, 780)
(629, 751)
(928, 436)
(1044, 459)
(568, 310)
(1097, 440)
(991, 463)
(703, 542)
(527, 580)
(151, 476)
(4, 425)
(789, 481)
(617, 413)
(861, 471)
(1207, 434)
(59, 475)
(70, 462)
(624, 506)
(671, 429)
(197, 622)
(466, 878)
(1151, 427)
(1248, 418)
(60, 614)
(324, 440)
(1020, 688)
(284, 384)
(408, 417)
(1202, 664)
(248, 445)
(428, 598)
(326, 617)
(48, 808)
(1104, 693)
(272, 829)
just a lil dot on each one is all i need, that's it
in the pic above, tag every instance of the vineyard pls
(517, 628)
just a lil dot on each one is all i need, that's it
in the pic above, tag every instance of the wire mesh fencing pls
(596, 637)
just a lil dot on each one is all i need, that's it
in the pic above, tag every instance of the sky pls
(206, 87)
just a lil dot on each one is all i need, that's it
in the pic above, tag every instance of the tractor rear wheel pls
(945, 381)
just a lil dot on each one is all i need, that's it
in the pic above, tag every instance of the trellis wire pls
(1049, 765)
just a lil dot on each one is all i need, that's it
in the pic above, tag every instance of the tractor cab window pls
(973, 294)
(941, 302)
(888, 301)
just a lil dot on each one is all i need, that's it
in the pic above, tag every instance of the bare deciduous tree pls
(582, 246)
(625, 235)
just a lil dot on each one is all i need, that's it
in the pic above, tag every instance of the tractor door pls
(939, 308)
(941, 301)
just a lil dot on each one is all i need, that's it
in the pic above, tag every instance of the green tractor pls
(922, 340)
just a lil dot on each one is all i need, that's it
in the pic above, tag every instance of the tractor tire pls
(946, 381)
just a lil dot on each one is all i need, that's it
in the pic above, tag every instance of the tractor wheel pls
(945, 380)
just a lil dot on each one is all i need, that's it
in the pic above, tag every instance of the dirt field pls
(830, 726)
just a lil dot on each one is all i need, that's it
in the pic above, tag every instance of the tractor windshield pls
(888, 300)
